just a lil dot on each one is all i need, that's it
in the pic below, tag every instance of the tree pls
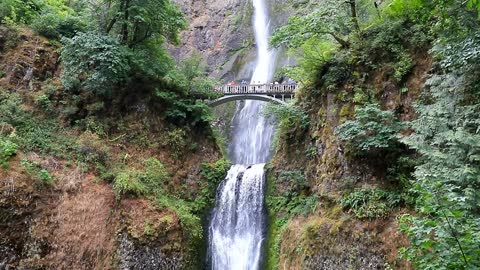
(333, 18)
(17, 11)
(137, 21)
(94, 63)
(59, 21)
(446, 232)
(195, 78)
(353, 11)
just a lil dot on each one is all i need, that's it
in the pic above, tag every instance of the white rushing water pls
(265, 57)
(237, 227)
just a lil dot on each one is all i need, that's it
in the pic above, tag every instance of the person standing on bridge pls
(231, 89)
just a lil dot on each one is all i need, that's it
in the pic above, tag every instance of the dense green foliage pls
(446, 234)
(331, 18)
(372, 129)
(192, 76)
(119, 53)
(213, 174)
(294, 198)
(94, 63)
(312, 55)
(288, 116)
(51, 18)
(375, 43)
(391, 41)
(183, 110)
(59, 21)
(12, 11)
(137, 21)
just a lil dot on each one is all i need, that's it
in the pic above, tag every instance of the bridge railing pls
(258, 89)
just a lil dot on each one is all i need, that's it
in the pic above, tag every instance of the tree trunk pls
(115, 18)
(343, 43)
(110, 25)
(353, 8)
(125, 22)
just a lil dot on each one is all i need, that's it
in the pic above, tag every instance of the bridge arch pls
(229, 98)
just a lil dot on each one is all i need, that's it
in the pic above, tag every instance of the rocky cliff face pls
(220, 31)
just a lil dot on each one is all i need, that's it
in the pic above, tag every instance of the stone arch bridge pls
(276, 93)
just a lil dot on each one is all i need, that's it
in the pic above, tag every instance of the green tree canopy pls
(137, 21)
(94, 63)
(331, 19)
(446, 233)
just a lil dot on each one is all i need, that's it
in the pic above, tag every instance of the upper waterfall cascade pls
(237, 227)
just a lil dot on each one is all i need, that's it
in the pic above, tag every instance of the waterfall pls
(237, 226)
(265, 57)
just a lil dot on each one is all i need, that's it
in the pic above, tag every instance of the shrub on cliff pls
(7, 150)
(212, 175)
(149, 181)
(52, 25)
(94, 63)
(371, 130)
(289, 117)
(371, 203)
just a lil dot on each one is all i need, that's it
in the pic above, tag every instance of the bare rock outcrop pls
(220, 31)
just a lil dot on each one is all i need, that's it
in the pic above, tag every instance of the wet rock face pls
(135, 256)
(28, 59)
(9, 255)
